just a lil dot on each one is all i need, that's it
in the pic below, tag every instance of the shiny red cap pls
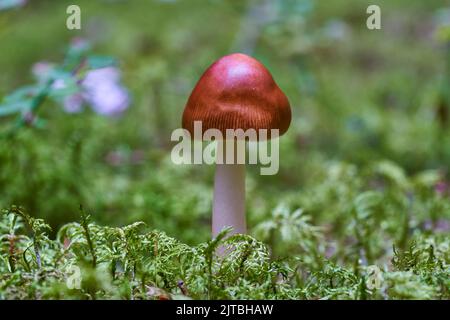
(237, 92)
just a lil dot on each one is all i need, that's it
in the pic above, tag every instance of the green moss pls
(88, 261)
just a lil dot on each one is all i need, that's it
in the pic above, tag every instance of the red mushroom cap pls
(237, 92)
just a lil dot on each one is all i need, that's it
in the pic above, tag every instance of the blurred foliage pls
(363, 178)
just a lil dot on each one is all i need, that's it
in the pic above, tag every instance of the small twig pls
(28, 220)
(12, 251)
(37, 252)
(85, 225)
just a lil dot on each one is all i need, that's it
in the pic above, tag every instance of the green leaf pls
(21, 94)
(392, 172)
(366, 203)
(97, 62)
(69, 88)
(15, 107)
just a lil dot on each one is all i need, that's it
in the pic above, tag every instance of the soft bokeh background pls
(370, 112)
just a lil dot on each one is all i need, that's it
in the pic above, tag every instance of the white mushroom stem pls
(229, 198)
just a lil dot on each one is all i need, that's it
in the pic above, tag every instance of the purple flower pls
(441, 188)
(79, 44)
(59, 84)
(440, 225)
(42, 69)
(73, 103)
(108, 99)
(137, 157)
(99, 76)
(103, 91)
(115, 158)
(122, 157)
(100, 88)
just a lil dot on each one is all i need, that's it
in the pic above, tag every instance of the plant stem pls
(85, 225)
(229, 198)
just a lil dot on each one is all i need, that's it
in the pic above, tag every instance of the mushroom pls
(235, 92)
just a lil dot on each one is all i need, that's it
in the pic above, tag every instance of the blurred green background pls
(370, 112)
